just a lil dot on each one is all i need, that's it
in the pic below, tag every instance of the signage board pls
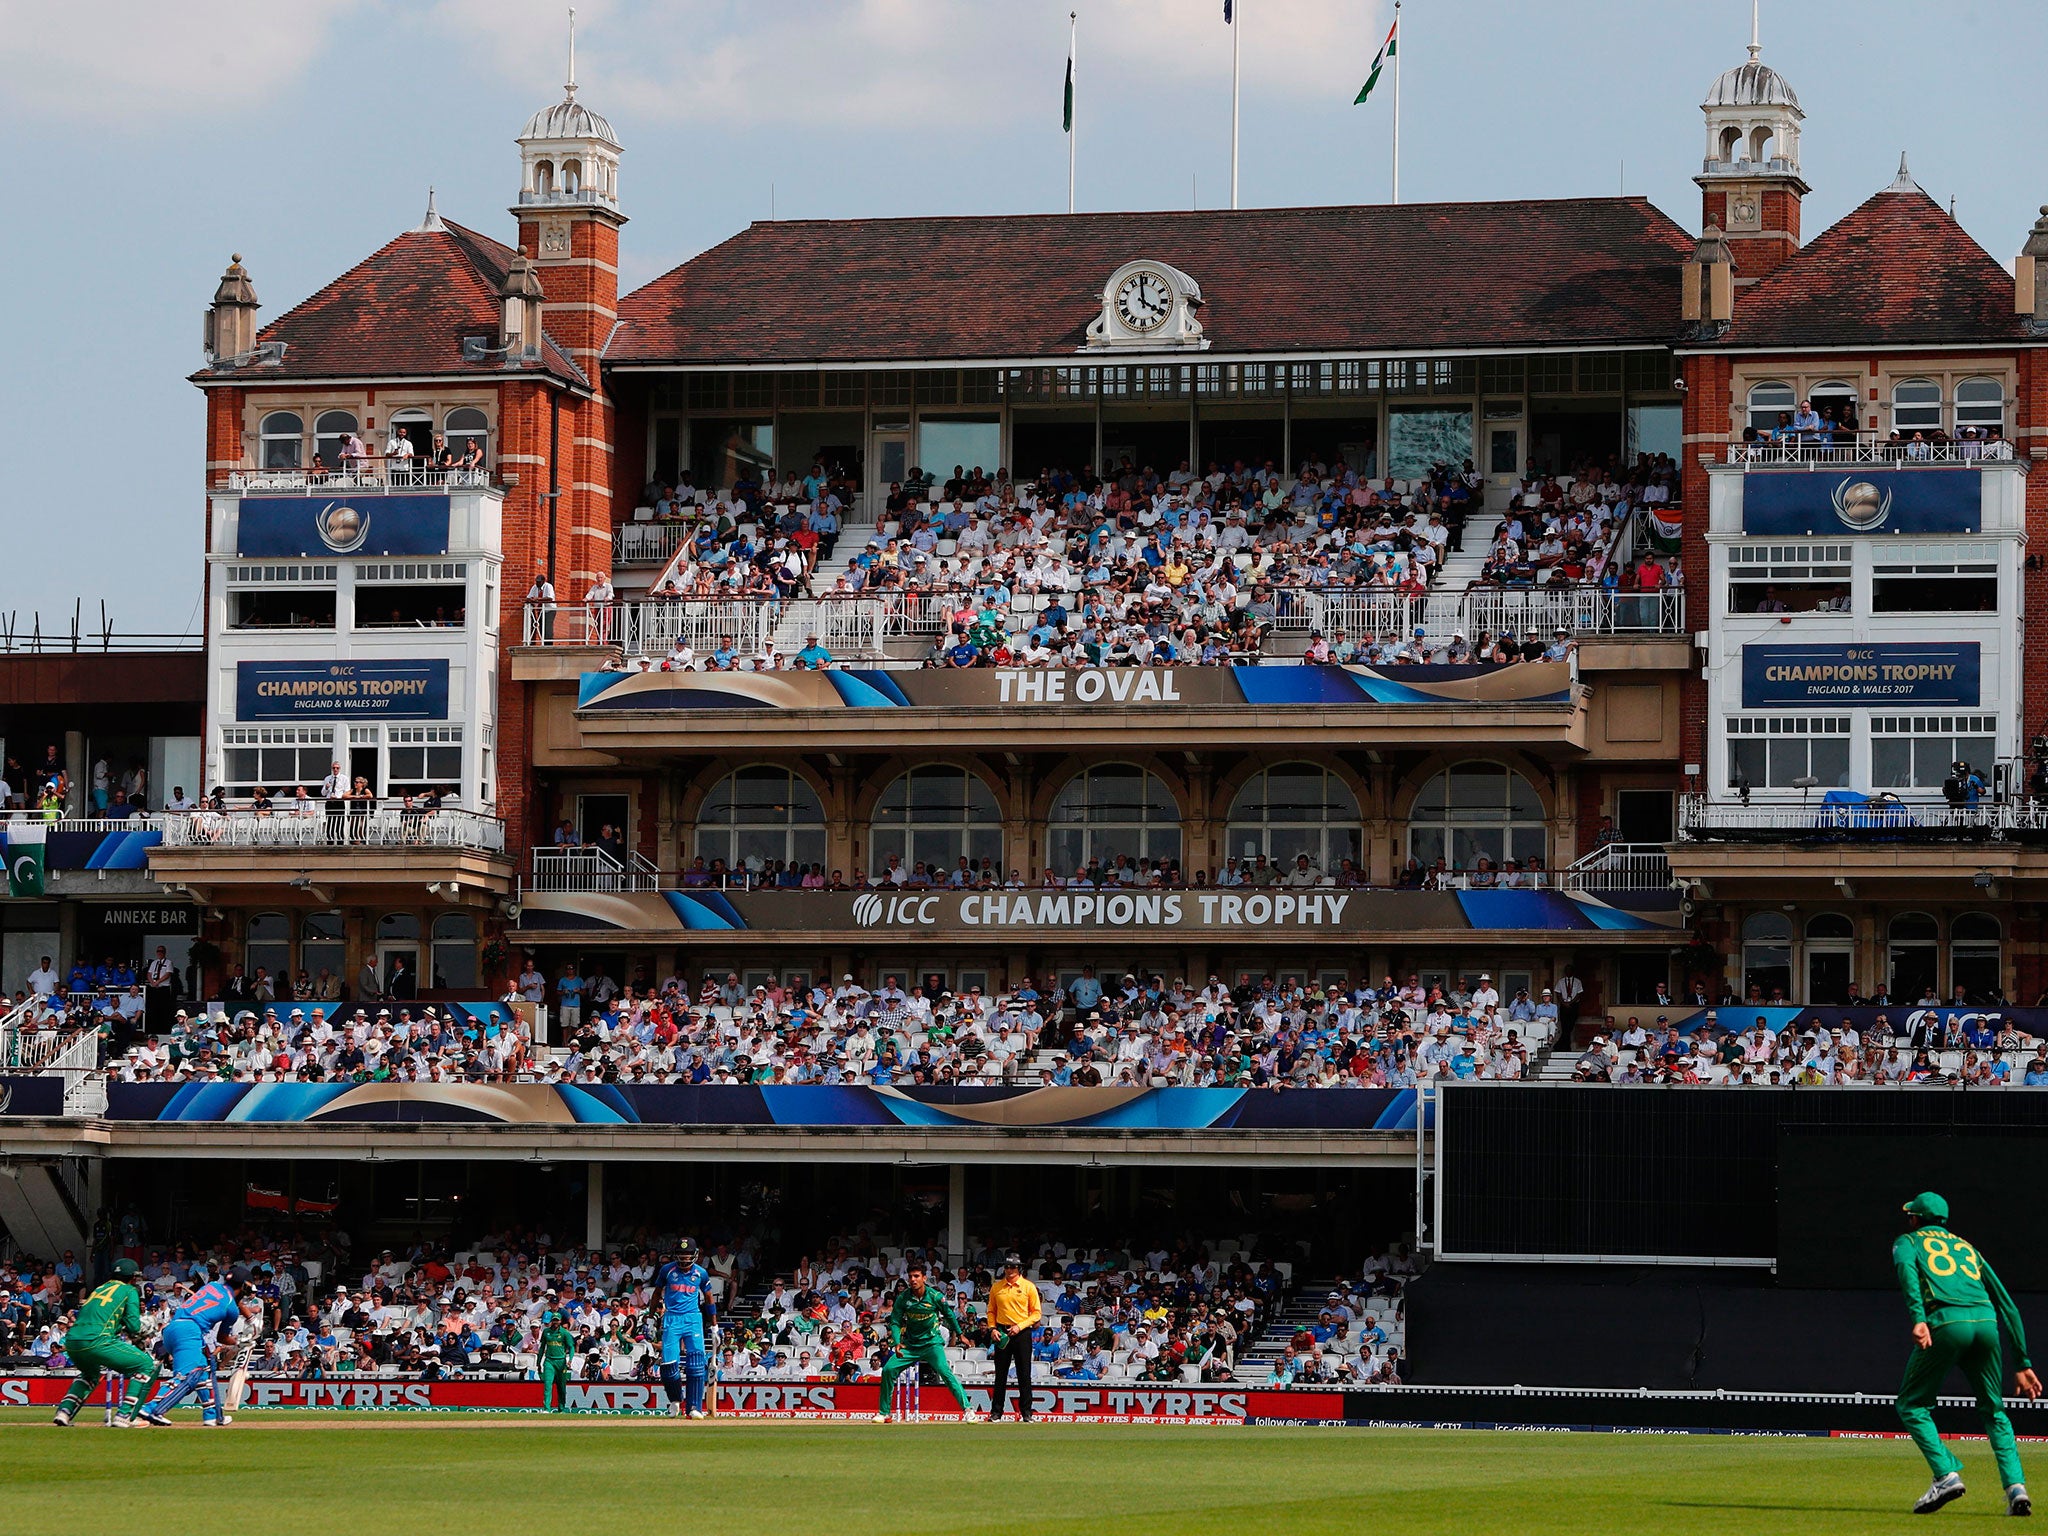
(1893, 672)
(323, 690)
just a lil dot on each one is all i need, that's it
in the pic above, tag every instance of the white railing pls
(85, 1088)
(374, 476)
(648, 543)
(588, 868)
(1870, 448)
(1917, 820)
(1582, 610)
(1620, 867)
(850, 628)
(386, 827)
(29, 1038)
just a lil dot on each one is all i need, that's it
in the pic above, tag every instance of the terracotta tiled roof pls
(1896, 271)
(402, 312)
(1417, 276)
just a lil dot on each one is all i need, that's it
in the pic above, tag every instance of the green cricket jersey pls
(556, 1342)
(914, 1320)
(1948, 1281)
(111, 1313)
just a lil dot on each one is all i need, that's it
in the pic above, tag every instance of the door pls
(892, 463)
(1827, 975)
(1644, 815)
(391, 951)
(362, 764)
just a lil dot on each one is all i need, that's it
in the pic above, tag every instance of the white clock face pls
(1143, 301)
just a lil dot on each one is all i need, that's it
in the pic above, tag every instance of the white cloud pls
(121, 59)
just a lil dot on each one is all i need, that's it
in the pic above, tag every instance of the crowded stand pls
(1130, 1032)
(1930, 1044)
(1136, 568)
(1179, 1311)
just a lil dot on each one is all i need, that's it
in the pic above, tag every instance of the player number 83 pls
(1942, 1257)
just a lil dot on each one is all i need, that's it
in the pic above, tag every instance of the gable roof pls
(1413, 276)
(1896, 271)
(400, 312)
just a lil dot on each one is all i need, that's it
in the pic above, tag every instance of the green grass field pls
(364, 1476)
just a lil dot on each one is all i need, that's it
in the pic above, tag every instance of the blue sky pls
(148, 141)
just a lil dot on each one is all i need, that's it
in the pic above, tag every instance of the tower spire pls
(1755, 35)
(572, 54)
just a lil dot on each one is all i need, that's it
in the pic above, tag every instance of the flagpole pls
(1398, 51)
(1236, 30)
(1073, 44)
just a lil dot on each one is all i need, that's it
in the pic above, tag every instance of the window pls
(322, 944)
(1776, 751)
(1914, 942)
(279, 757)
(1477, 810)
(287, 608)
(1550, 375)
(1766, 401)
(1935, 578)
(424, 757)
(1974, 966)
(1599, 373)
(1788, 578)
(466, 425)
(1916, 406)
(1110, 810)
(1291, 809)
(417, 428)
(1915, 751)
(398, 927)
(762, 813)
(282, 440)
(330, 433)
(268, 945)
(936, 816)
(1766, 956)
(1835, 403)
(1830, 960)
(1980, 403)
(454, 953)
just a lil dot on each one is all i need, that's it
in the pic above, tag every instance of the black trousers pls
(1015, 1353)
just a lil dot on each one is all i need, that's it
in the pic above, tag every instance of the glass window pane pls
(1891, 762)
(1831, 761)
(1746, 762)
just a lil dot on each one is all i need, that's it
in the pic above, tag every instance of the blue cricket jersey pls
(212, 1303)
(685, 1291)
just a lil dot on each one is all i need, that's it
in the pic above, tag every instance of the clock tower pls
(569, 218)
(1750, 183)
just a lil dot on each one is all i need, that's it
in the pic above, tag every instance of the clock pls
(1144, 300)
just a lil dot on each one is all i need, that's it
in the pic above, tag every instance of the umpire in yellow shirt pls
(1013, 1314)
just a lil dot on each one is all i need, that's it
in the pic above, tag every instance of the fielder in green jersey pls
(1957, 1305)
(556, 1342)
(105, 1337)
(914, 1328)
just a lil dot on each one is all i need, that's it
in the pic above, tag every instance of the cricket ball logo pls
(867, 911)
(342, 528)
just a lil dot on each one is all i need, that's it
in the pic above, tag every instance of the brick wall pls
(1707, 405)
(1760, 251)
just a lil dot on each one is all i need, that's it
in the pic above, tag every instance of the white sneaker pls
(880, 1418)
(1943, 1490)
(61, 1418)
(2016, 1500)
(696, 1413)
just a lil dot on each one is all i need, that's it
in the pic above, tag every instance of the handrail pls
(1870, 448)
(1619, 867)
(588, 867)
(388, 826)
(1894, 819)
(372, 474)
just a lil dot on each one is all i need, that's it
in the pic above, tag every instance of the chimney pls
(230, 330)
(520, 294)
(2030, 280)
(1709, 288)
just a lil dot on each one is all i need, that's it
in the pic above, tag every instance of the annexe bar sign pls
(1546, 683)
(1907, 672)
(298, 690)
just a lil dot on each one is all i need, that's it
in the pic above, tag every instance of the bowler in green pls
(1957, 1305)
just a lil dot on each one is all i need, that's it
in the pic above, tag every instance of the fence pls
(1620, 867)
(588, 868)
(385, 827)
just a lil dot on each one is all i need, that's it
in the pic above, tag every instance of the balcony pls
(1871, 448)
(1877, 819)
(457, 854)
(363, 477)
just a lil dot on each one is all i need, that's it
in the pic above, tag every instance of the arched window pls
(1835, 403)
(1830, 960)
(1766, 956)
(268, 945)
(466, 425)
(398, 927)
(1915, 942)
(1974, 965)
(322, 945)
(572, 177)
(1980, 403)
(936, 816)
(418, 428)
(454, 953)
(330, 432)
(1291, 809)
(1731, 141)
(761, 813)
(1760, 143)
(283, 440)
(1767, 400)
(1472, 811)
(1916, 406)
(1111, 809)
(543, 177)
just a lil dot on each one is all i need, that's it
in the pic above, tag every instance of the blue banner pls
(1832, 500)
(1896, 673)
(320, 527)
(40, 1096)
(1356, 1109)
(306, 690)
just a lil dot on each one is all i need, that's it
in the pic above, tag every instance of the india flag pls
(1379, 62)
